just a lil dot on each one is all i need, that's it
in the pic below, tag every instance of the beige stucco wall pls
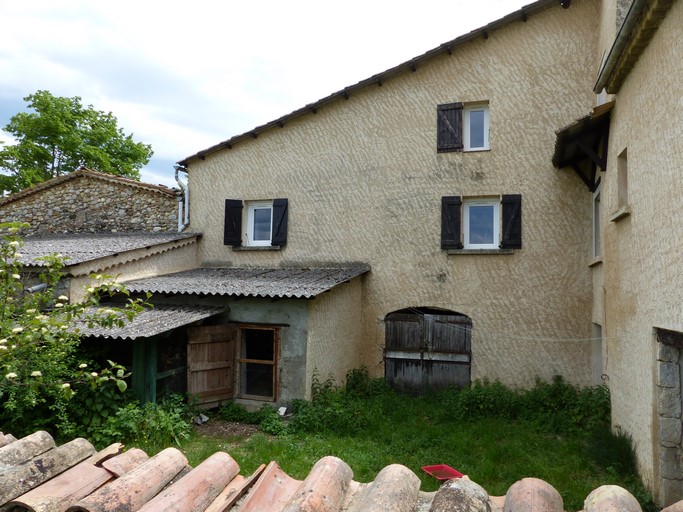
(642, 260)
(334, 333)
(364, 183)
(138, 264)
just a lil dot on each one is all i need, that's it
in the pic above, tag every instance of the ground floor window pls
(258, 362)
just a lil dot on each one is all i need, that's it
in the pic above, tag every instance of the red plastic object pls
(442, 472)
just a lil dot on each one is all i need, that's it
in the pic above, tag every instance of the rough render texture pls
(141, 263)
(88, 204)
(642, 252)
(364, 183)
(335, 332)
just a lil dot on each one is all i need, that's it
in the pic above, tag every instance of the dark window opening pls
(258, 363)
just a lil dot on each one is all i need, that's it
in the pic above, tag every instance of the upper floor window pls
(265, 223)
(481, 223)
(476, 127)
(597, 239)
(462, 127)
(259, 223)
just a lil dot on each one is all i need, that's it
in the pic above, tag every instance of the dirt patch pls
(221, 428)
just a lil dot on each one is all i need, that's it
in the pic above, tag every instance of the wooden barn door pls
(211, 363)
(427, 349)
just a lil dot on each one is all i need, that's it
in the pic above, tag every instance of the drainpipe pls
(183, 200)
(619, 43)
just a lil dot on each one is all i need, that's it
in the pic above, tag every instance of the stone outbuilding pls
(87, 201)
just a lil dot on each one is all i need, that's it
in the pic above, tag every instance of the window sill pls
(595, 261)
(257, 248)
(621, 213)
(477, 252)
(476, 150)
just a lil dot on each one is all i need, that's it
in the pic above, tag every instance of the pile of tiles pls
(38, 476)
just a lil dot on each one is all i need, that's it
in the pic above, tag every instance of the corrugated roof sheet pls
(37, 475)
(255, 282)
(82, 247)
(149, 322)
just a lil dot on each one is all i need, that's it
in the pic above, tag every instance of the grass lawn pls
(388, 428)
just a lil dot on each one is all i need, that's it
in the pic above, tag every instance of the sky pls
(183, 76)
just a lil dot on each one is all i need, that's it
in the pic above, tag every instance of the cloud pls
(189, 75)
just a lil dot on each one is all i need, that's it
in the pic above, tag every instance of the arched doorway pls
(427, 349)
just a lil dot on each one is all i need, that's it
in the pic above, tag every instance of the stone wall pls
(90, 204)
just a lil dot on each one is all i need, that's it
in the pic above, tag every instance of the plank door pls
(211, 363)
(425, 351)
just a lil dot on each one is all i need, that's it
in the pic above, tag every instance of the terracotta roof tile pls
(39, 476)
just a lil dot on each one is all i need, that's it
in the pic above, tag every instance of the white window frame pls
(597, 224)
(467, 110)
(467, 204)
(252, 206)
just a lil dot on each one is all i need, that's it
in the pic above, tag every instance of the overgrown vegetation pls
(45, 382)
(496, 435)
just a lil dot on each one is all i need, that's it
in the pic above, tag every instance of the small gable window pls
(462, 127)
(476, 127)
(255, 223)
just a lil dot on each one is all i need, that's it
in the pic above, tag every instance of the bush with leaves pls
(40, 368)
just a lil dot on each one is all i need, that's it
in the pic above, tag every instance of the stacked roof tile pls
(38, 476)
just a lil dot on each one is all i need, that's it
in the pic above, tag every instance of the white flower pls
(17, 329)
(16, 276)
(98, 276)
(36, 374)
(82, 365)
(3, 341)
(59, 305)
(40, 318)
(63, 298)
(3, 347)
(94, 374)
(14, 243)
(18, 255)
(90, 289)
(11, 376)
(63, 327)
(66, 385)
(31, 311)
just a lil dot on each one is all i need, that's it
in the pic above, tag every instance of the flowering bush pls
(40, 369)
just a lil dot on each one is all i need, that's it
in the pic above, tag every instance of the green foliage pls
(40, 366)
(344, 411)
(152, 425)
(267, 418)
(556, 407)
(62, 135)
(232, 411)
(487, 439)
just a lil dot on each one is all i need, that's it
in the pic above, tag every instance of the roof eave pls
(378, 79)
(636, 31)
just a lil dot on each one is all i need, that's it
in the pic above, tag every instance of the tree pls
(62, 136)
(41, 368)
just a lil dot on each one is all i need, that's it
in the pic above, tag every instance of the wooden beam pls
(598, 160)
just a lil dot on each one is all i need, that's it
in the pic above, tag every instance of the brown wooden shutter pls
(232, 229)
(512, 222)
(449, 127)
(279, 235)
(451, 208)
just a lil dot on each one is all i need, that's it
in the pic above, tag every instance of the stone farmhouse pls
(505, 206)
